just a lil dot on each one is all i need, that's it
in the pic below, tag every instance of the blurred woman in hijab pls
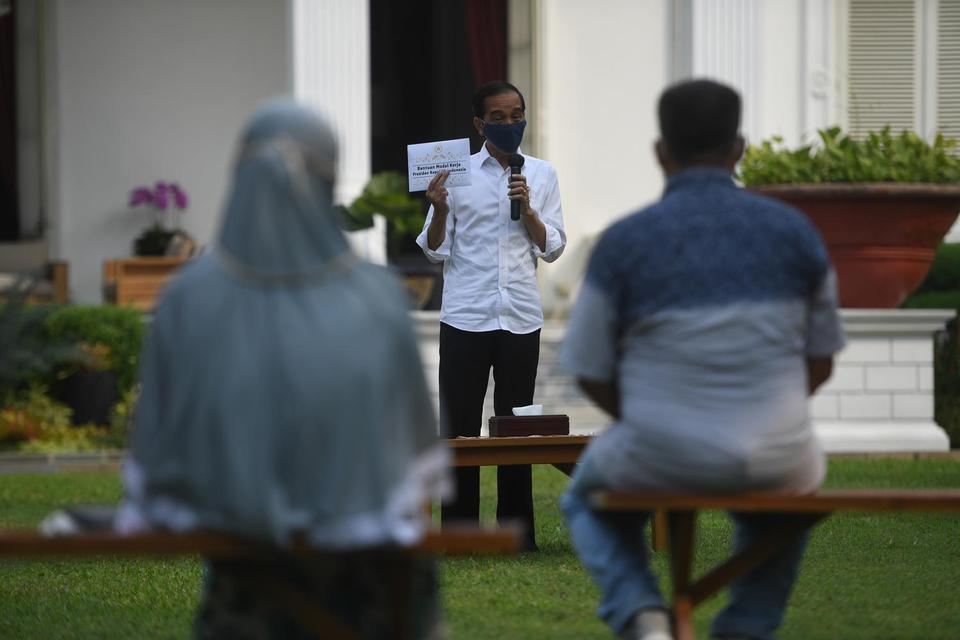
(283, 399)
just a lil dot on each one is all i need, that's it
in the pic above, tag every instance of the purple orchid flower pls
(140, 195)
(179, 196)
(162, 196)
(160, 199)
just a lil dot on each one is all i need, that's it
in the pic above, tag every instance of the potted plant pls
(386, 194)
(167, 200)
(882, 204)
(87, 385)
(108, 339)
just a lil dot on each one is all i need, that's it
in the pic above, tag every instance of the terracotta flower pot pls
(881, 236)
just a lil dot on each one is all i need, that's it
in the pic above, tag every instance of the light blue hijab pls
(282, 388)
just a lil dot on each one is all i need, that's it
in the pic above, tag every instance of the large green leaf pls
(386, 194)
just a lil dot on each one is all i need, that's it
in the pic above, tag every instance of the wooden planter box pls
(882, 237)
(137, 282)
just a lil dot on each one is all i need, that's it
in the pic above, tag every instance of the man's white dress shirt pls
(489, 260)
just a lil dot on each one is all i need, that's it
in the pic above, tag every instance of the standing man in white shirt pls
(490, 315)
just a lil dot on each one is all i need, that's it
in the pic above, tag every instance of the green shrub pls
(31, 421)
(116, 436)
(60, 439)
(27, 353)
(944, 273)
(941, 290)
(946, 383)
(28, 414)
(933, 300)
(878, 157)
(120, 329)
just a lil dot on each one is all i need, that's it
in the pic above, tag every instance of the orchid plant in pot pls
(168, 201)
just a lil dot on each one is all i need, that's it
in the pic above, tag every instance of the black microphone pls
(516, 162)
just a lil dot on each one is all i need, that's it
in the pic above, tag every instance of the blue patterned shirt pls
(702, 308)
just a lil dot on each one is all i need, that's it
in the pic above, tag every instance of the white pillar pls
(331, 62)
(819, 81)
(726, 47)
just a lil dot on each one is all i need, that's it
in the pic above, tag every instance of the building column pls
(726, 47)
(331, 71)
(819, 84)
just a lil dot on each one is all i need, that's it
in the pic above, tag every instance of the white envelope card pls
(426, 159)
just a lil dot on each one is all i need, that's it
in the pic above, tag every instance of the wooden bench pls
(681, 511)
(452, 541)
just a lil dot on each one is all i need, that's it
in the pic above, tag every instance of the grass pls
(865, 576)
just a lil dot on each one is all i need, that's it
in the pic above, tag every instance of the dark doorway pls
(427, 59)
(9, 216)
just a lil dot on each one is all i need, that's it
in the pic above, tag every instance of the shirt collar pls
(484, 155)
(700, 177)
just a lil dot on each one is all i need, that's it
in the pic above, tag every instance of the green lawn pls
(888, 577)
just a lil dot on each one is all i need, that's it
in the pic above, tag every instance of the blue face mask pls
(505, 137)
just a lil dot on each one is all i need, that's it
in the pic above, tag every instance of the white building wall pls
(140, 91)
(599, 67)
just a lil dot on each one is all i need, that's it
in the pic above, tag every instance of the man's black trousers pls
(465, 361)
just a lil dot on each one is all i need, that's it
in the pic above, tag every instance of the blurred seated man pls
(704, 322)
(283, 399)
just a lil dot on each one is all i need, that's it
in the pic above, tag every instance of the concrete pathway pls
(11, 463)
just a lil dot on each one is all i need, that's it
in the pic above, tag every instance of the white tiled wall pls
(875, 378)
(880, 397)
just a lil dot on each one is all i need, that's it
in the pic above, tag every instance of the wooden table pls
(560, 451)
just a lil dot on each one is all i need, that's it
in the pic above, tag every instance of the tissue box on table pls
(550, 425)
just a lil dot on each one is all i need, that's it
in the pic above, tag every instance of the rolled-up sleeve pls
(589, 349)
(551, 214)
(441, 253)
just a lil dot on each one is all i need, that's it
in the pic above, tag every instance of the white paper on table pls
(426, 159)
(529, 410)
